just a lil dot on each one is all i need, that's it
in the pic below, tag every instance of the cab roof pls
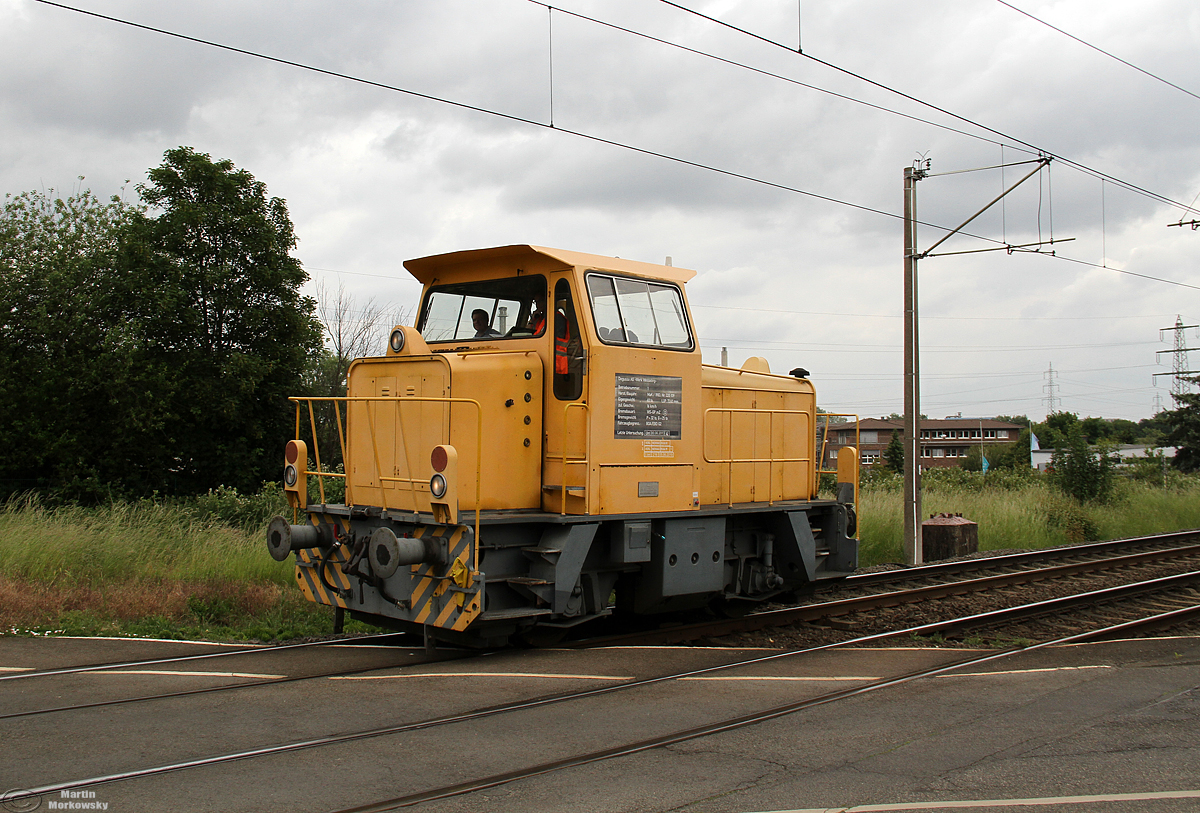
(426, 268)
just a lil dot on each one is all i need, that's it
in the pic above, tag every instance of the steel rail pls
(208, 655)
(1012, 612)
(753, 718)
(225, 688)
(896, 598)
(1007, 560)
(911, 572)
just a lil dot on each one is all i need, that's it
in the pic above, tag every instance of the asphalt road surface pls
(1096, 727)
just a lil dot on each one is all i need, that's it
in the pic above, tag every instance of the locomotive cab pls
(546, 446)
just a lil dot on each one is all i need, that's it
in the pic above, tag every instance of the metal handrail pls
(825, 441)
(335, 400)
(575, 460)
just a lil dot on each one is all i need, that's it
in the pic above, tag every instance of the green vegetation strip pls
(197, 568)
(194, 569)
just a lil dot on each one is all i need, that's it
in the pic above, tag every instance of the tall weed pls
(1018, 509)
(155, 540)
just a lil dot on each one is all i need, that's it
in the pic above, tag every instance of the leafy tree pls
(1183, 430)
(1011, 456)
(1117, 430)
(1016, 455)
(1152, 431)
(244, 333)
(149, 352)
(82, 401)
(893, 455)
(824, 417)
(1151, 469)
(974, 460)
(1054, 430)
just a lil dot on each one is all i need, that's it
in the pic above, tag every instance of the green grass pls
(152, 540)
(198, 568)
(1024, 512)
(168, 569)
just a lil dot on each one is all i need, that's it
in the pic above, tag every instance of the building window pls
(869, 436)
(870, 457)
(939, 452)
(925, 453)
(989, 433)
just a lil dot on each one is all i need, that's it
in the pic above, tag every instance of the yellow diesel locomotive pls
(546, 447)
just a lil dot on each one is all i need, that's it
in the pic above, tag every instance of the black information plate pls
(648, 406)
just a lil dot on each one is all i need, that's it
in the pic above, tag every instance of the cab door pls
(565, 465)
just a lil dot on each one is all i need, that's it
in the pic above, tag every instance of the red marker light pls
(438, 458)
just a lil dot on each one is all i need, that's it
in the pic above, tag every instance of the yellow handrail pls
(336, 400)
(575, 460)
(825, 441)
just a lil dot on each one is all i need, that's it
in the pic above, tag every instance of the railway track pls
(1122, 613)
(730, 724)
(883, 601)
(821, 622)
(1011, 562)
(228, 653)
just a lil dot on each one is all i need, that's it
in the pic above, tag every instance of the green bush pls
(880, 478)
(1083, 473)
(246, 512)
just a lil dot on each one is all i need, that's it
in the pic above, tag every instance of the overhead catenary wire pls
(742, 65)
(613, 143)
(888, 89)
(1098, 49)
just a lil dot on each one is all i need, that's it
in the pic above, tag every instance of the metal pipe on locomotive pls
(546, 447)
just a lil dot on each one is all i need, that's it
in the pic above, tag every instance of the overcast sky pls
(373, 176)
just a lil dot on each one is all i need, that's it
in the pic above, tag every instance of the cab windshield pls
(495, 309)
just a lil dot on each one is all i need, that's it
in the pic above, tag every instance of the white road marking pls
(184, 674)
(676, 648)
(868, 677)
(1046, 800)
(484, 674)
(1027, 671)
(158, 641)
(16, 668)
(785, 677)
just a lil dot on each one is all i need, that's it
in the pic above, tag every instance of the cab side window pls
(638, 312)
(569, 357)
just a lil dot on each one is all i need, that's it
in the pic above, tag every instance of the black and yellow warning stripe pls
(308, 563)
(431, 583)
